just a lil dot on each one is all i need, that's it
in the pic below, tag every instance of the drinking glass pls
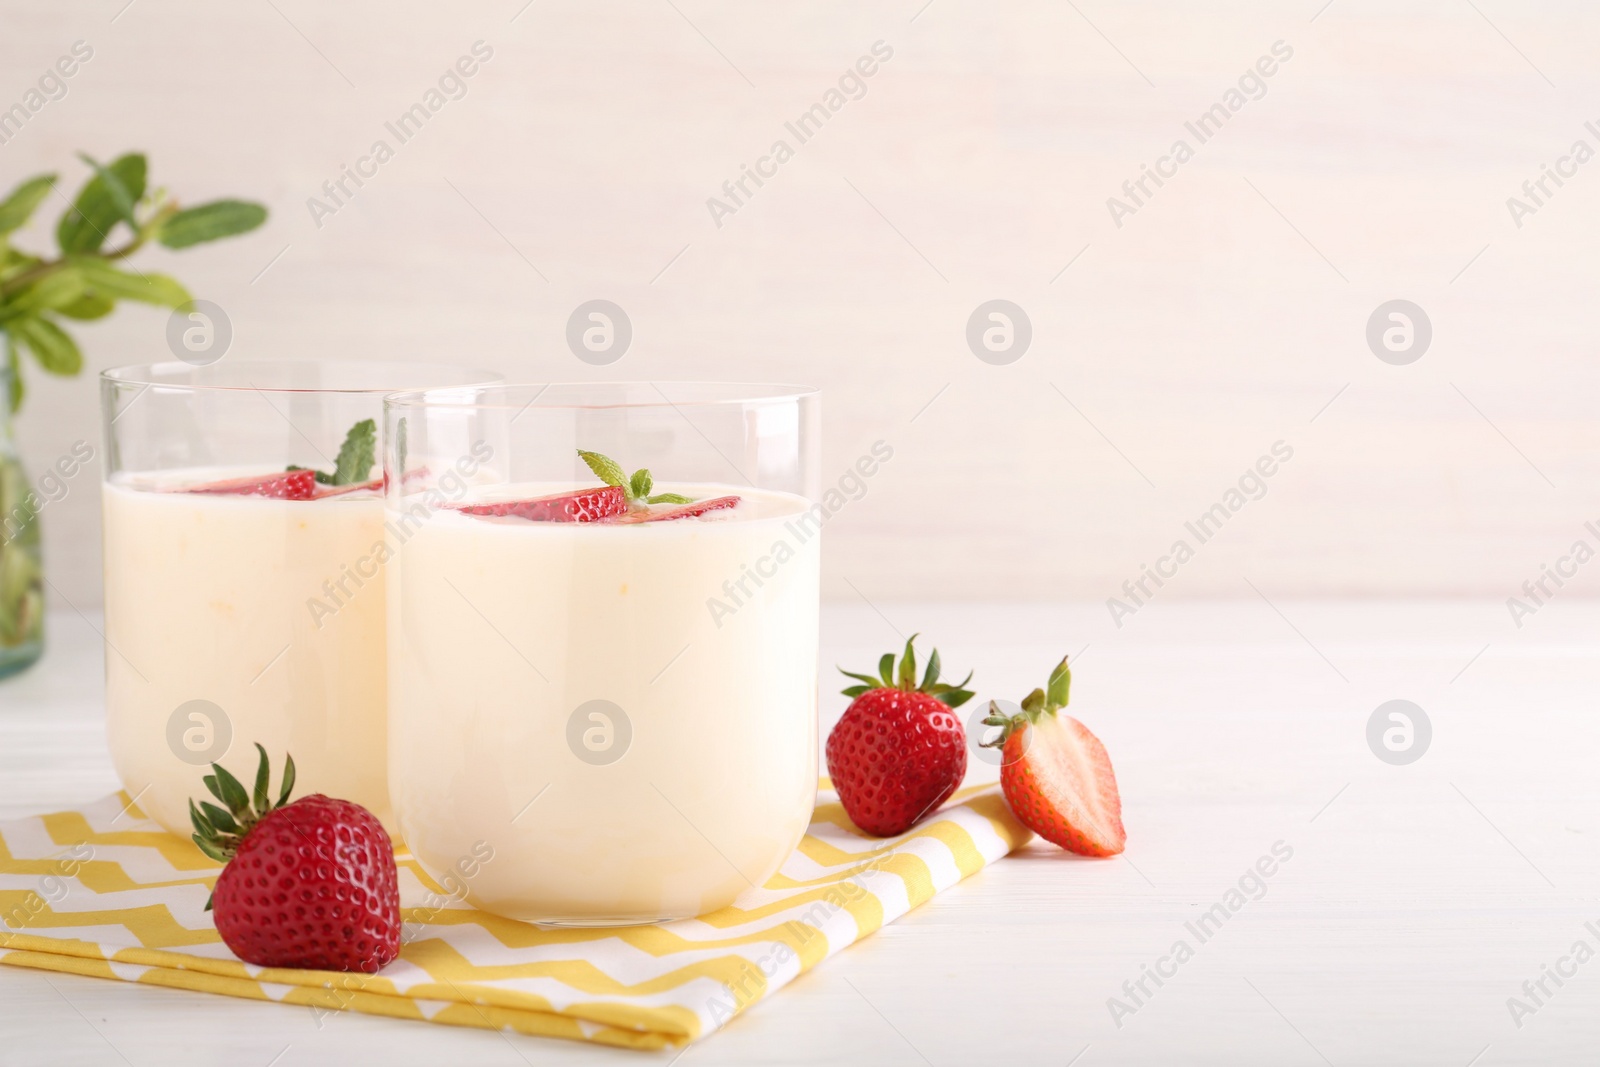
(613, 700)
(235, 616)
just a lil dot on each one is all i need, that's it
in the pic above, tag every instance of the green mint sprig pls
(356, 456)
(637, 487)
(38, 294)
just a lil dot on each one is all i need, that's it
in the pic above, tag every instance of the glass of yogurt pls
(243, 544)
(603, 642)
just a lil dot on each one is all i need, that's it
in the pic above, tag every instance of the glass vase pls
(21, 568)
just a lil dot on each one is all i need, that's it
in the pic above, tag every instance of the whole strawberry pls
(899, 751)
(307, 884)
(1056, 775)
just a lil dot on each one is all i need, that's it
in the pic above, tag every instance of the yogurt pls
(625, 714)
(234, 620)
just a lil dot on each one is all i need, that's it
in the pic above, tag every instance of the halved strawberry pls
(584, 505)
(1056, 775)
(282, 485)
(682, 511)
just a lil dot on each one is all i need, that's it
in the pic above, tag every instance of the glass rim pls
(714, 394)
(178, 376)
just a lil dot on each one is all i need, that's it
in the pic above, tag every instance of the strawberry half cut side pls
(1056, 775)
(282, 485)
(583, 505)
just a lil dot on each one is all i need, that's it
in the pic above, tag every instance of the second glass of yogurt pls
(603, 625)
(244, 543)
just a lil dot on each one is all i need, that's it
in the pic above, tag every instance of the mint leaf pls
(605, 469)
(109, 282)
(13, 377)
(670, 498)
(52, 292)
(639, 487)
(357, 454)
(356, 457)
(211, 222)
(88, 306)
(121, 197)
(16, 209)
(97, 210)
(50, 345)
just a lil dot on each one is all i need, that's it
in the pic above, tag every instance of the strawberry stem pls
(906, 678)
(1046, 701)
(219, 831)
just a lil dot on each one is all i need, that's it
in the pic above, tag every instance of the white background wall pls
(1222, 317)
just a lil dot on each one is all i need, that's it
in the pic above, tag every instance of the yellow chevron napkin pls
(103, 891)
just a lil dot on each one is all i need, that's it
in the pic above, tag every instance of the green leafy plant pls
(84, 281)
(113, 216)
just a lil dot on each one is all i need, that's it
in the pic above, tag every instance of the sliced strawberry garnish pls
(283, 485)
(376, 486)
(681, 511)
(584, 505)
(1056, 775)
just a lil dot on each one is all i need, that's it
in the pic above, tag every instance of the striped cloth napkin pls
(103, 891)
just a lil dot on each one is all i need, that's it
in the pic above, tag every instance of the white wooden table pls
(1418, 899)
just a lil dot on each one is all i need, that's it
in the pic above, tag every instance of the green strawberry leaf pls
(214, 852)
(222, 820)
(1059, 686)
(201, 826)
(908, 665)
(904, 677)
(263, 775)
(955, 698)
(288, 780)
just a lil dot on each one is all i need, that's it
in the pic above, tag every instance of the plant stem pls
(42, 270)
